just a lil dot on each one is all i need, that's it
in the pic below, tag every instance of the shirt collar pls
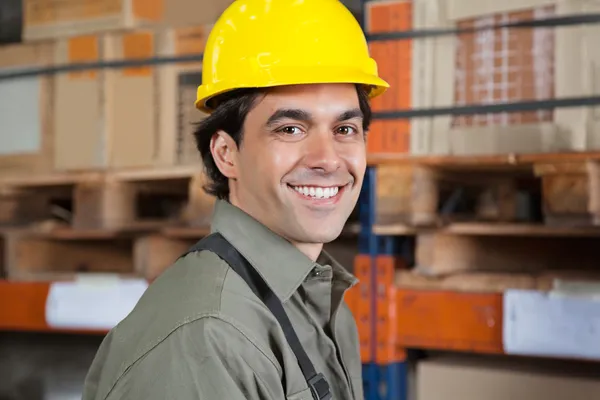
(280, 264)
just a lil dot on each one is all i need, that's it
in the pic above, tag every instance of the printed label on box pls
(554, 325)
(95, 305)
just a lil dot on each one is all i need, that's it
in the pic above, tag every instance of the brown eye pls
(291, 130)
(346, 130)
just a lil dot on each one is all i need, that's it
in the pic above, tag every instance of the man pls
(257, 311)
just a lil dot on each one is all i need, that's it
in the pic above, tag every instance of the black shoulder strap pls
(217, 244)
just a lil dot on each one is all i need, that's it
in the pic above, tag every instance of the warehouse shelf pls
(426, 319)
(517, 322)
(444, 320)
(24, 308)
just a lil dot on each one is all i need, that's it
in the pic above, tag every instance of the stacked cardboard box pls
(177, 86)
(52, 19)
(105, 117)
(26, 112)
(504, 65)
(477, 378)
(139, 116)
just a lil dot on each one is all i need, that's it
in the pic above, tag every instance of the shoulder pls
(198, 304)
(190, 362)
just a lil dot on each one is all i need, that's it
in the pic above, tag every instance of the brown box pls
(129, 100)
(26, 126)
(504, 65)
(52, 19)
(132, 117)
(177, 87)
(494, 378)
(79, 114)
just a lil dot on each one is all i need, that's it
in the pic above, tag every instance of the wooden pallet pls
(552, 193)
(570, 192)
(127, 199)
(492, 282)
(442, 254)
(62, 254)
(33, 254)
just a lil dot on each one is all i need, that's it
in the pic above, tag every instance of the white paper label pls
(555, 325)
(92, 304)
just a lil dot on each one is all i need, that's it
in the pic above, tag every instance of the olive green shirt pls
(199, 332)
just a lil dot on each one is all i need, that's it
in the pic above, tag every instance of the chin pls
(322, 236)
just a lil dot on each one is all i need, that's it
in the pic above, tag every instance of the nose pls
(322, 152)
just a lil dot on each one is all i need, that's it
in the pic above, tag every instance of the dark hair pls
(229, 116)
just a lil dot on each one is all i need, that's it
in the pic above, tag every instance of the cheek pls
(355, 157)
(274, 162)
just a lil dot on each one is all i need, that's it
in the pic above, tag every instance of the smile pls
(317, 192)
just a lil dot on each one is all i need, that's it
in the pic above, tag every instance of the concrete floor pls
(44, 366)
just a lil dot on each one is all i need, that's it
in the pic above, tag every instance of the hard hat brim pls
(286, 76)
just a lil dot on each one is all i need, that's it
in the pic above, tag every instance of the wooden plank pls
(103, 204)
(31, 256)
(477, 282)
(570, 192)
(440, 254)
(489, 229)
(446, 320)
(118, 200)
(430, 196)
(153, 254)
(509, 160)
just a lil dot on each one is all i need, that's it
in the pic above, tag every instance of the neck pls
(311, 250)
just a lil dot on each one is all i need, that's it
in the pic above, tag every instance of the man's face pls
(302, 161)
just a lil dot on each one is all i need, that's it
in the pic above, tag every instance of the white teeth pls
(317, 192)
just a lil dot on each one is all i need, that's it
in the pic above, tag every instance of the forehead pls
(321, 101)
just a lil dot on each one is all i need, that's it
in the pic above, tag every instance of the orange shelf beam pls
(442, 320)
(426, 319)
(22, 306)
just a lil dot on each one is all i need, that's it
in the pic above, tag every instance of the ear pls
(224, 152)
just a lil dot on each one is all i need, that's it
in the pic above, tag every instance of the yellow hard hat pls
(266, 43)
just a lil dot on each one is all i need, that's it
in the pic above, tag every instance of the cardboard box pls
(494, 378)
(178, 85)
(79, 113)
(52, 19)
(105, 118)
(138, 116)
(26, 127)
(131, 113)
(504, 65)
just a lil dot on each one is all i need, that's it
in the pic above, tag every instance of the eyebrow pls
(287, 113)
(305, 116)
(350, 114)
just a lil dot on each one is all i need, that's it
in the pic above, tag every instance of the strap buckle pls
(319, 387)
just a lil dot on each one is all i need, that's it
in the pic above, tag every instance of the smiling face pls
(301, 163)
